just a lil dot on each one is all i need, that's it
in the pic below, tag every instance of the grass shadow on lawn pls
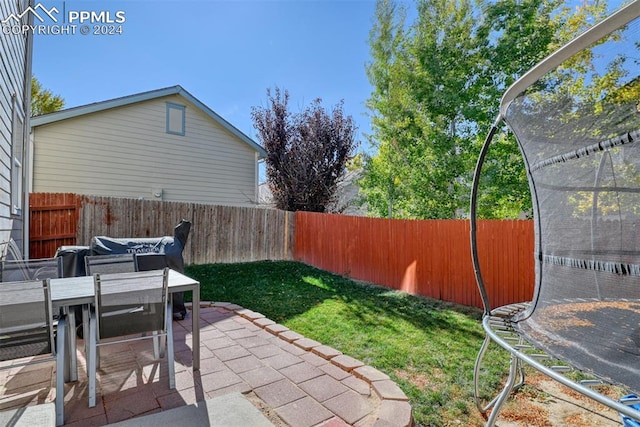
(427, 346)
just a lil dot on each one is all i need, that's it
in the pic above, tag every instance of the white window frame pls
(17, 158)
(173, 109)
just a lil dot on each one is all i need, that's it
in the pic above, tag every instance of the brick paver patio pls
(294, 380)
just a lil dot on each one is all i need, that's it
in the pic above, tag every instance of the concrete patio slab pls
(231, 410)
(38, 415)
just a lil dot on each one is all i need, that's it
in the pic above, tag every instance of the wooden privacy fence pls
(425, 257)
(53, 222)
(218, 233)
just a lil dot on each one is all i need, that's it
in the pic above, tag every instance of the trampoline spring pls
(523, 347)
(560, 368)
(630, 400)
(502, 324)
(591, 383)
(501, 328)
(504, 335)
(503, 312)
(540, 356)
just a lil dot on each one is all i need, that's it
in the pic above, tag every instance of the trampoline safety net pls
(578, 127)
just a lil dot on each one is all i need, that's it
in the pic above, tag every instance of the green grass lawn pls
(428, 347)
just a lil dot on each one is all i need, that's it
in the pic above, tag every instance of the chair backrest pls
(121, 263)
(15, 270)
(151, 261)
(26, 323)
(131, 303)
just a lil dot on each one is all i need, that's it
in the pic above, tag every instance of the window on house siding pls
(17, 154)
(175, 118)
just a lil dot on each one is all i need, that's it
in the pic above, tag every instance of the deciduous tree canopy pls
(43, 101)
(437, 84)
(307, 152)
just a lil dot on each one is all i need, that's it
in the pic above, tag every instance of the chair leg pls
(85, 330)
(71, 341)
(60, 362)
(156, 346)
(92, 366)
(163, 338)
(162, 346)
(169, 339)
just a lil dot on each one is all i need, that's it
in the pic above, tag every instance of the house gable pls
(141, 97)
(129, 150)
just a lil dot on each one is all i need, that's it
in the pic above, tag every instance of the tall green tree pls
(43, 101)
(513, 36)
(531, 31)
(381, 186)
(437, 85)
(417, 106)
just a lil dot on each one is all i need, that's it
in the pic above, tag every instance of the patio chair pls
(576, 118)
(26, 330)
(118, 263)
(121, 263)
(157, 261)
(30, 269)
(11, 250)
(128, 307)
(16, 269)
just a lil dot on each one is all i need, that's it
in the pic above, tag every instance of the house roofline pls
(141, 97)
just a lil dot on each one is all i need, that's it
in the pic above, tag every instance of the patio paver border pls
(394, 408)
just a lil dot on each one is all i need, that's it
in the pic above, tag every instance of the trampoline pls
(576, 117)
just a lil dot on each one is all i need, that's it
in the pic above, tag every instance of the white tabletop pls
(80, 290)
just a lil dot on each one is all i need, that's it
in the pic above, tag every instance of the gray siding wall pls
(13, 68)
(126, 152)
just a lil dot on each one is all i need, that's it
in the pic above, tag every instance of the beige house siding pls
(127, 152)
(15, 77)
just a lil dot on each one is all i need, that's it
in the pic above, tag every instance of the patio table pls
(76, 291)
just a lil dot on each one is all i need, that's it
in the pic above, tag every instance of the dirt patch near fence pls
(546, 403)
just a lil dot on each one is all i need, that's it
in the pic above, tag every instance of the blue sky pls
(225, 53)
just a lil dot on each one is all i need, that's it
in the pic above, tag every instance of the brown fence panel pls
(507, 260)
(120, 217)
(52, 223)
(430, 257)
(218, 233)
